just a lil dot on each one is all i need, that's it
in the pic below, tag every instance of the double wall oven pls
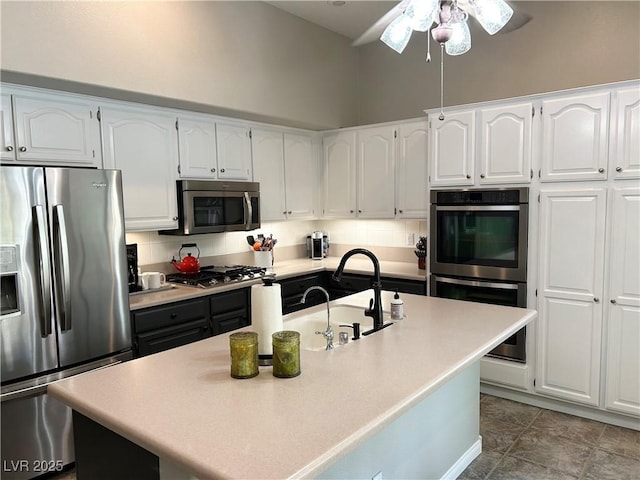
(478, 251)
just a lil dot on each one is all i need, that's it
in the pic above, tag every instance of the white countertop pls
(289, 268)
(182, 404)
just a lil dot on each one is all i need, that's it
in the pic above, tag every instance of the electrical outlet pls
(377, 476)
(411, 238)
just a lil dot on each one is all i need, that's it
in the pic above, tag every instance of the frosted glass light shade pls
(492, 14)
(398, 33)
(460, 41)
(422, 13)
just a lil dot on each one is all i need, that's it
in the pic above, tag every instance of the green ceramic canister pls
(244, 354)
(286, 354)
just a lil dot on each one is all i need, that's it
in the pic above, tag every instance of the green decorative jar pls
(286, 354)
(244, 354)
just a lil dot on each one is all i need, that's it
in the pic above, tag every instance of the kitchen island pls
(403, 401)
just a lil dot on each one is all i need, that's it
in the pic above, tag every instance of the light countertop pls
(286, 269)
(183, 406)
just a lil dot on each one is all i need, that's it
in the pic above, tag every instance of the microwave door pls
(203, 212)
(236, 211)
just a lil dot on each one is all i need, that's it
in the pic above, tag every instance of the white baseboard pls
(464, 461)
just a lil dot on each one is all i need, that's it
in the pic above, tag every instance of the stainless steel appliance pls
(316, 245)
(66, 310)
(478, 251)
(216, 206)
(210, 276)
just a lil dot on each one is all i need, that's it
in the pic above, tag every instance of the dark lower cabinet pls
(230, 310)
(351, 283)
(293, 288)
(157, 329)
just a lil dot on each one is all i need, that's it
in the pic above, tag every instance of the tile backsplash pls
(154, 248)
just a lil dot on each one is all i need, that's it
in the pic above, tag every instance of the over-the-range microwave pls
(210, 206)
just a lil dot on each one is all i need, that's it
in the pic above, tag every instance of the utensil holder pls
(263, 259)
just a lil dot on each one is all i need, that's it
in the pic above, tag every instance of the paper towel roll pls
(266, 315)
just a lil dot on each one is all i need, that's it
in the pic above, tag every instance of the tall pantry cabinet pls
(588, 348)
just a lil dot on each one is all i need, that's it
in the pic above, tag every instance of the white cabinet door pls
(339, 154)
(376, 172)
(452, 149)
(7, 145)
(234, 152)
(575, 133)
(267, 150)
(142, 142)
(572, 230)
(623, 326)
(505, 144)
(197, 148)
(56, 129)
(412, 171)
(625, 158)
(300, 175)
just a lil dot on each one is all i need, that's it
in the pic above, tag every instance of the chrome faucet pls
(328, 333)
(375, 304)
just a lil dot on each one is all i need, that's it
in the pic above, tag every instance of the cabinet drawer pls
(171, 337)
(415, 287)
(229, 301)
(173, 314)
(297, 285)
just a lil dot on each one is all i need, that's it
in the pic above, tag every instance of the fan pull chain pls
(441, 117)
(428, 46)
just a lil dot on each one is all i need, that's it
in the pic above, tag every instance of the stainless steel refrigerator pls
(64, 302)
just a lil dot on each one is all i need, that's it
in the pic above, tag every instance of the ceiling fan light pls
(460, 41)
(492, 14)
(442, 33)
(422, 13)
(398, 33)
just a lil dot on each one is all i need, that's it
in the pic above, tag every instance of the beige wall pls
(565, 45)
(247, 57)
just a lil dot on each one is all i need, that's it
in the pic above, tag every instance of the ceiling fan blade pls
(517, 20)
(374, 31)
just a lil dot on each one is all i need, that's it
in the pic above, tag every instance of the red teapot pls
(188, 264)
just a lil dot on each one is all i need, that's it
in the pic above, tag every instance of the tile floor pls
(522, 442)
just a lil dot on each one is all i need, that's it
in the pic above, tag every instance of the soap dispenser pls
(397, 307)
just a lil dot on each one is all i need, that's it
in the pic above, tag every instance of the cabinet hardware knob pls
(289, 212)
(613, 300)
(400, 211)
(284, 213)
(23, 149)
(596, 299)
(618, 169)
(350, 211)
(481, 175)
(9, 148)
(173, 315)
(222, 170)
(175, 219)
(468, 176)
(359, 211)
(213, 170)
(601, 170)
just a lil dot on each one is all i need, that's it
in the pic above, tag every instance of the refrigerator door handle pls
(61, 248)
(45, 270)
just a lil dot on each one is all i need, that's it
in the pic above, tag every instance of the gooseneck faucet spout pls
(375, 304)
(328, 333)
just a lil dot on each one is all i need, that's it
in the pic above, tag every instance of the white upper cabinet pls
(197, 147)
(6, 129)
(505, 143)
(571, 268)
(300, 174)
(452, 148)
(623, 326)
(376, 172)
(234, 152)
(575, 133)
(625, 156)
(50, 129)
(412, 173)
(339, 153)
(142, 142)
(267, 151)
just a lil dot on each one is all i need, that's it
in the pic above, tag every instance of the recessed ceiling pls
(351, 19)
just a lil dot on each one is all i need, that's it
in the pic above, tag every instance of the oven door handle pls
(476, 283)
(478, 208)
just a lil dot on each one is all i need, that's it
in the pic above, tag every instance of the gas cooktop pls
(212, 275)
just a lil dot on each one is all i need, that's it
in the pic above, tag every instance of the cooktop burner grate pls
(211, 275)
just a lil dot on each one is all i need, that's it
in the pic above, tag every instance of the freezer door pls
(89, 263)
(27, 334)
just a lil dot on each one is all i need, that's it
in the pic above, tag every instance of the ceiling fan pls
(421, 15)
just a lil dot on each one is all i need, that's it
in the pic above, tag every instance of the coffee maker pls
(132, 267)
(316, 245)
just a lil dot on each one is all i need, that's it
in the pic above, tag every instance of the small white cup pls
(152, 280)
